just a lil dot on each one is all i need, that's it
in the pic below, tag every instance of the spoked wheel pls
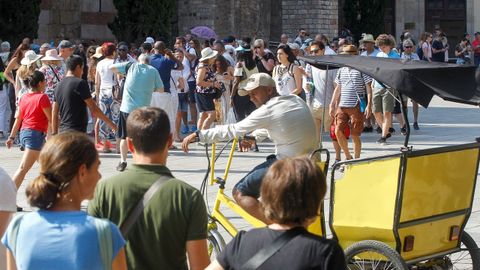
(467, 258)
(373, 255)
(215, 244)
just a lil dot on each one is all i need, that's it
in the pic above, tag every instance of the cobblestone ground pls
(443, 123)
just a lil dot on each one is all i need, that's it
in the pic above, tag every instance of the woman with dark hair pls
(291, 192)
(287, 75)
(33, 119)
(246, 66)
(224, 74)
(193, 63)
(59, 235)
(104, 84)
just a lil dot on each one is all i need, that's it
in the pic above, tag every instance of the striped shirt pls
(352, 84)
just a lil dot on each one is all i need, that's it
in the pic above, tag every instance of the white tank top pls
(284, 80)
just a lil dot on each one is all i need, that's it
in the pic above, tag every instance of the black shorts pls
(122, 126)
(191, 92)
(205, 102)
(396, 109)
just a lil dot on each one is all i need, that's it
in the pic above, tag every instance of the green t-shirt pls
(175, 214)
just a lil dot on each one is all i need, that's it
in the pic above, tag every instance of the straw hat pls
(98, 52)
(51, 55)
(368, 38)
(349, 49)
(30, 58)
(208, 53)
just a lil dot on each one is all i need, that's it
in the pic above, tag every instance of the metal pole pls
(324, 106)
(405, 117)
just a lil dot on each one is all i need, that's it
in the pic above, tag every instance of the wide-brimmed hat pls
(98, 52)
(208, 53)
(51, 55)
(256, 80)
(349, 49)
(368, 38)
(30, 58)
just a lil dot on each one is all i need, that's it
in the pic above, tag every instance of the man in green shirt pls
(174, 222)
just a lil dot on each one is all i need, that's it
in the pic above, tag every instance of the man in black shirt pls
(72, 97)
(265, 59)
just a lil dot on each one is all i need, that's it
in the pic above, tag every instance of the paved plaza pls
(443, 123)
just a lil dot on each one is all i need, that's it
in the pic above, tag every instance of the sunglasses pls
(122, 50)
(408, 47)
(314, 51)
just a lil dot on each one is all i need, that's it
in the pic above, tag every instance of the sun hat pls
(349, 49)
(150, 40)
(65, 44)
(368, 38)
(98, 52)
(30, 58)
(51, 55)
(208, 53)
(256, 80)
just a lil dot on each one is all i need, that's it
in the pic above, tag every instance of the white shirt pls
(321, 97)
(287, 119)
(9, 193)
(284, 81)
(107, 77)
(229, 58)
(329, 51)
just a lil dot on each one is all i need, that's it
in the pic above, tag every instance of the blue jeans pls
(251, 183)
(32, 139)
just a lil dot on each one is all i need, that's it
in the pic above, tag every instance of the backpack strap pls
(268, 251)
(105, 241)
(138, 209)
(12, 239)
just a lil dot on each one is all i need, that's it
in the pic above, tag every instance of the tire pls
(391, 261)
(460, 260)
(216, 244)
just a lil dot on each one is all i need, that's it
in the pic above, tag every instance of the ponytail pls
(43, 190)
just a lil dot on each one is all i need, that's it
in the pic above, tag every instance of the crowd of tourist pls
(70, 101)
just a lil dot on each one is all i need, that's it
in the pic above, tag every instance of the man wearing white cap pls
(286, 118)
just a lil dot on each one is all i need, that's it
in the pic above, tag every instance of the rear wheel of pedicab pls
(215, 244)
(468, 257)
(373, 255)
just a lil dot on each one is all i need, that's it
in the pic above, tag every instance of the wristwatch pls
(197, 136)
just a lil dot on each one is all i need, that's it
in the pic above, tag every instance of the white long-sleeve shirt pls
(289, 123)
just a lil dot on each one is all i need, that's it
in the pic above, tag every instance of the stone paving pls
(443, 123)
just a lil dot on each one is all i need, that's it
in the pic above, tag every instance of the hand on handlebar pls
(188, 140)
(245, 145)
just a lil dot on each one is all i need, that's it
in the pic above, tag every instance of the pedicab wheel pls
(468, 257)
(216, 244)
(373, 255)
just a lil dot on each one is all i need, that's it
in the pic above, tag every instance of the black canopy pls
(418, 80)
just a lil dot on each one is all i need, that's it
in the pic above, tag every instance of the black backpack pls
(420, 52)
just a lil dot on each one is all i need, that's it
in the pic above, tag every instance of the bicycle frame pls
(221, 198)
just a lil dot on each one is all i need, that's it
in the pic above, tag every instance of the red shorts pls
(333, 136)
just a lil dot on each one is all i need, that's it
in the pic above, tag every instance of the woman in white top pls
(224, 74)
(179, 93)
(426, 44)
(287, 75)
(105, 81)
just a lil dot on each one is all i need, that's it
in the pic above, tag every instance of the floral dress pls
(53, 75)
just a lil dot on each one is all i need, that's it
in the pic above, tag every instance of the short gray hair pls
(5, 45)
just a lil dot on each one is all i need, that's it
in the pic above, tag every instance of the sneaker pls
(388, 135)
(403, 130)
(382, 141)
(379, 130)
(368, 129)
(415, 126)
(184, 130)
(391, 130)
(121, 166)
(193, 128)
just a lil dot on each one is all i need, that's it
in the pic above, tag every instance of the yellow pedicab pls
(408, 210)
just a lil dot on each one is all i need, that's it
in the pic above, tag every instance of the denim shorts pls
(251, 183)
(183, 102)
(32, 139)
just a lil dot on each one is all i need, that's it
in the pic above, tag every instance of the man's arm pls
(335, 100)
(170, 56)
(54, 118)
(268, 64)
(368, 110)
(198, 254)
(96, 112)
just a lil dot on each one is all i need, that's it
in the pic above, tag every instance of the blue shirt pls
(164, 67)
(59, 240)
(141, 82)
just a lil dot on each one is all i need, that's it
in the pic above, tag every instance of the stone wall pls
(315, 16)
